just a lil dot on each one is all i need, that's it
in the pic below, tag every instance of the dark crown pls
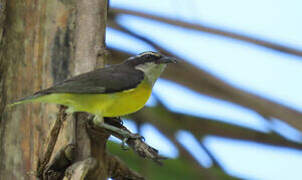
(145, 57)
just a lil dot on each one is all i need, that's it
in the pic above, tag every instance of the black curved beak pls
(166, 60)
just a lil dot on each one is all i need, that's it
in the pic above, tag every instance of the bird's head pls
(151, 63)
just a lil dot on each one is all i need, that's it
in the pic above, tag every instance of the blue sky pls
(255, 69)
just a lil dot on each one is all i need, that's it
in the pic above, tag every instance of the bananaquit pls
(112, 91)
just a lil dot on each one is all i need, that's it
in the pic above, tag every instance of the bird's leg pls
(99, 121)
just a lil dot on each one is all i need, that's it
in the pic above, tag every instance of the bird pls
(113, 91)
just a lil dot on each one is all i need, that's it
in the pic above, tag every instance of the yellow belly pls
(107, 105)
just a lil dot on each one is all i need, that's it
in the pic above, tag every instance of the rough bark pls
(44, 43)
(88, 157)
(38, 48)
(35, 52)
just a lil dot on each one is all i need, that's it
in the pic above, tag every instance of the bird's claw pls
(142, 138)
(137, 136)
(120, 120)
(131, 136)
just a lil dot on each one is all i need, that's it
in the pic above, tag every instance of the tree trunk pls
(44, 42)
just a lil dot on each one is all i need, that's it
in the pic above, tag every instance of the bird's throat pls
(152, 71)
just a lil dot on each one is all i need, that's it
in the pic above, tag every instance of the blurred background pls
(231, 108)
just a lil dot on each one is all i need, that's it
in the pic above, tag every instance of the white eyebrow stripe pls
(148, 52)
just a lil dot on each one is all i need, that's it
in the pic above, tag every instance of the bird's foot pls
(132, 136)
(126, 135)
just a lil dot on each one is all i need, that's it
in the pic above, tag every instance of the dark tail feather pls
(24, 100)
